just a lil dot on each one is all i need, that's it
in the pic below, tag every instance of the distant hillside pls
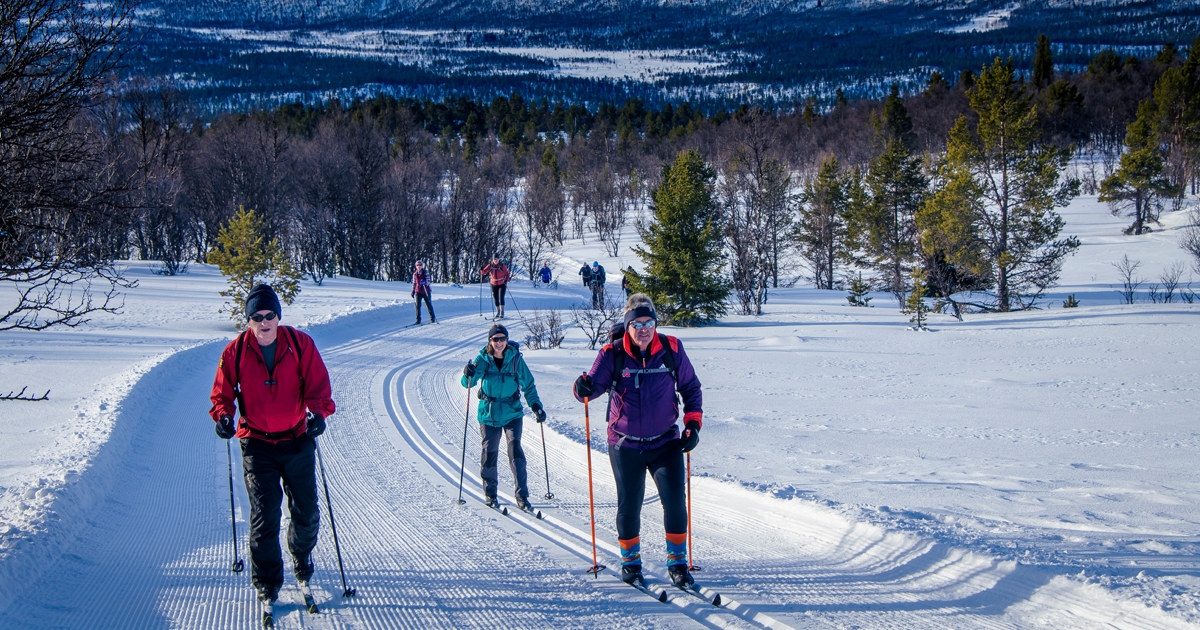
(722, 51)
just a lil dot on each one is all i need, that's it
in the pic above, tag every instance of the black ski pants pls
(429, 305)
(665, 465)
(273, 470)
(498, 291)
(490, 453)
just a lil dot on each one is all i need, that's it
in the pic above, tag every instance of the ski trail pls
(154, 550)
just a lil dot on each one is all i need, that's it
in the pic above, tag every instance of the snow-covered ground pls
(1011, 470)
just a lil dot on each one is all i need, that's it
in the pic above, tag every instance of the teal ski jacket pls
(500, 388)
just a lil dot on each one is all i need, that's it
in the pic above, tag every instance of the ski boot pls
(680, 576)
(632, 574)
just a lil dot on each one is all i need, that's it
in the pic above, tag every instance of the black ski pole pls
(346, 590)
(237, 565)
(549, 495)
(462, 466)
(481, 298)
(519, 314)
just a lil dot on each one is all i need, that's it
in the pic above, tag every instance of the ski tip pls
(539, 515)
(313, 610)
(717, 600)
(662, 596)
(504, 511)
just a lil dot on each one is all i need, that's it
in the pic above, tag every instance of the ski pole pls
(514, 301)
(481, 298)
(587, 430)
(549, 495)
(691, 565)
(462, 466)
(346, 590)
(237, 565)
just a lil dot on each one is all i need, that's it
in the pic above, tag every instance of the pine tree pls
(1007, 184)
(1177, 95)
(682, 248)
(915, 305)
(245, 256)
(1140, 183)
(857, 296)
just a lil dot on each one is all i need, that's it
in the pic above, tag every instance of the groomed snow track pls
(143, 540)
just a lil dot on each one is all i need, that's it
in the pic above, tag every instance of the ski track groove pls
(157, 550)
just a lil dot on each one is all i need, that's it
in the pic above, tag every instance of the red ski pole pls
(587, 430)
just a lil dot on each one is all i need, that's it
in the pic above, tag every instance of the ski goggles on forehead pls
(650, 323)
(269, 316)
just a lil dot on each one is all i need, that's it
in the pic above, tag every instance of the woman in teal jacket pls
(502, 374)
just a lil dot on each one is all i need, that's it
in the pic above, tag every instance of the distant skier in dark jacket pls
(642, 432)
(544, 273)
(503, 376)
(597, 285)
(585, 272)
(421, 290)
(274, 376)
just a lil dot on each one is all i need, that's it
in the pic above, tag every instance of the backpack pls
(516, 396)
(237, 364)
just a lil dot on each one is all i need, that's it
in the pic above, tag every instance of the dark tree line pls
(363, 189)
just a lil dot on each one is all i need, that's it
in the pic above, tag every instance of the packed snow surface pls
(1027, 469)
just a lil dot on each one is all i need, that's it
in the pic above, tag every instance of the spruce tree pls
(884, 227)
(821, 230)
(682, 248)
(1043, 64)
(245, 256)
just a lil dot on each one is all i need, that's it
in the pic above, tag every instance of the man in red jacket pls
(274, 375)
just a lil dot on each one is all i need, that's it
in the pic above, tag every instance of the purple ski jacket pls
(642, 409)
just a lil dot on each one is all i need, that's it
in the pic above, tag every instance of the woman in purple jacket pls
(642, 434)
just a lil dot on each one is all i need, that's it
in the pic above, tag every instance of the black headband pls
(641, 311)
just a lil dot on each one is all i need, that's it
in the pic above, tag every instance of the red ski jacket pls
(499, 273)
(273, 406)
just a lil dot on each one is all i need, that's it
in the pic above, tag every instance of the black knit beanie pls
(262, 298)
(497, 329)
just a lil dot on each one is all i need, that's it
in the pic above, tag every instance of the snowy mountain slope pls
(1007, 471)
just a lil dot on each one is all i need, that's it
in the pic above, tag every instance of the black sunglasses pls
(499, 338)
(271, 315)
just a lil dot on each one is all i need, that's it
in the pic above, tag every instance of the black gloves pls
(584, 387)
(691, 436)
(538, 412)
(316, 424)
(225, 428)
(469, 369)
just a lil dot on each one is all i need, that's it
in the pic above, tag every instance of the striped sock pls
(631, 551)
(676, 549)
